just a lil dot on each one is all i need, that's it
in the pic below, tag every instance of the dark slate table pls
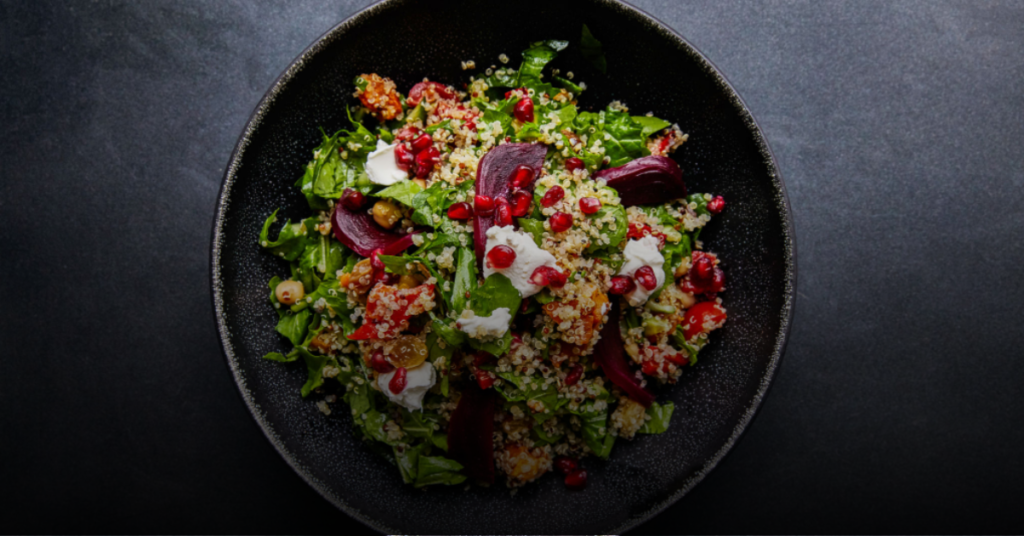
(898, 128)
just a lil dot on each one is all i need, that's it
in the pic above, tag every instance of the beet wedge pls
(494, 177)
(361, 234)
(647, 180)
(610, 355)
(471, 433)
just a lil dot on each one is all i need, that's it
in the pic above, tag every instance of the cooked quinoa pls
(387, 300)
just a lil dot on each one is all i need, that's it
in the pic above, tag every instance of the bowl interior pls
(649, 69)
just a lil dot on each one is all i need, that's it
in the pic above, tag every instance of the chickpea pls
(360, 280)
(289, 292)
(386, 214)
(407, 282)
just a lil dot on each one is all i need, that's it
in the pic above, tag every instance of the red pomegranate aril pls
(352, 200)
(484, 379)
(521, 202)
(522, 177)
(716, 205)
(565, 464)
(426, 160)
(379, 363)
(572, 164)
(408, 133)
(560, 222)
(621, 285)
(380, 276)
(404, 157)
(718, 280)
(501, 257)
(552, 196)
(590, 205)
(375, 261)
(460, 211)
(547, 276)
(703, 270)
(523, 110)
(576, 479)
(483, 205)
(645, 276)
(398, 381)
(574, 375)
(422, 142)
(502, 212)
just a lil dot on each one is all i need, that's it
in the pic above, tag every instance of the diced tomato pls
(703, 318)
(430, 90)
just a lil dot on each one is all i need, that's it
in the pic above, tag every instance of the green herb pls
(660, 414)
(404, 192)
(293, 326)
(438, 470)
(650, 125)
(465, 278)
(291, 240)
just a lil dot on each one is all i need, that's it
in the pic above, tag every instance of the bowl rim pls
(337, 31)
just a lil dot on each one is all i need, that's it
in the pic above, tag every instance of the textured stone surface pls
(898, 128)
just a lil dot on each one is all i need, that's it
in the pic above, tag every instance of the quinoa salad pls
(495, 278)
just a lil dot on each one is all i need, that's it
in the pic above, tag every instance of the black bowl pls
(650, 68)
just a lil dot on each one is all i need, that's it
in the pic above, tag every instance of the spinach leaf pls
(623, 140)
(660, 414)
(497, 347)
(650, 125)
(496, 292)
(404, 192)
(290, 242)
(446, 125)
(535, 228)
(293, 326)
(591, 49)
(616, 236)
(322, 255)
(438, 470)
(281, 358)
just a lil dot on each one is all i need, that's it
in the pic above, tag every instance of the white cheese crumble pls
(419, 380)
(639, 253)
(529, 257)
(485, 327)
(381, 166)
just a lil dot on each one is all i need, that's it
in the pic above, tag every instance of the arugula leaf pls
(404, 192)
(323, 255)
(293, 326)
(290, 242)
(281, 358)
(497, 347)
(591, 49)
(534, 227)
(534, 60)
(541, 438)
(407, 460)
(660, 414)
(567, 84)
(496, 292)
(650, 125)
(315, 368)
(438, 470)
(465, 278)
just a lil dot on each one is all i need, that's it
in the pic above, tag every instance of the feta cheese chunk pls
(485, 327)
(528, 258)
(419, 380)
(381, 166)
(639, 253)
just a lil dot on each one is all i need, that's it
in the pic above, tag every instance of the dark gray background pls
(898, 128)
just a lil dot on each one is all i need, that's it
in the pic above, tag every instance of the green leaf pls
(497, 347)
(592, 51)
(438, 470)
(660, 414)
(465, 278)
(417, 114)
(567, 84)
(281, 358)
(534, 60)
(404, 192)
(626, 141)
(446, 124)
(293, 326)
(290, 242)
(650, 125)
(496, 292)
(534, 227)
(315, 368)
(408, 462)
(616, 236)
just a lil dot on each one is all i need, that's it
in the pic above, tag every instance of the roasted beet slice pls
(651, 179)
(361, 234)
(471, 433)
(610, 355)
(493, 177)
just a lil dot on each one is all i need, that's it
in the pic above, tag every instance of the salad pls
(493, 276)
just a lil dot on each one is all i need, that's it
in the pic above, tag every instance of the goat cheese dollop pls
(485, 327)
(419, 380)
(639, 253)
(528, 258)
(381, 166)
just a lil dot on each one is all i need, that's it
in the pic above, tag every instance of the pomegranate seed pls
(521, 202)
(552, 196)
(501, 257)
(352, 200)
(380, 364)
(460, 211)
(716, 205)
(590, 205)
(375, 261)
(502, 212)
(621, 285)
(718, 280)
(548, 276)
(645, 276)
(572, 164)
(560, 222)
(407, 133)
(522, 176)
(703, 270)
(575, 373)
(398, 381)
(484, 205)
(426, 160)
(565, 464)
(523, 110)
(404, 158)
(421, 142)
(576, 479)
(484, 379)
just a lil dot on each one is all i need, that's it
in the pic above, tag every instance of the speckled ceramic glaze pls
(650, 68)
